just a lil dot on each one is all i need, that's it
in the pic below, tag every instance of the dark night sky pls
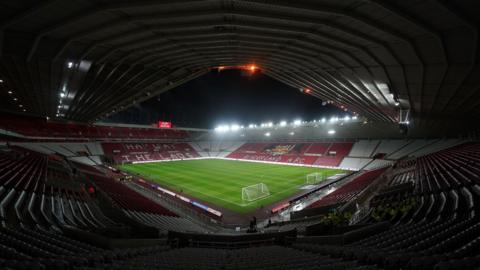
(228, 97)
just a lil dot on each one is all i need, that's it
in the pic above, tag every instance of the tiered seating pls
(335, 153)
(414, 246)
(131, 152)
(364, 148)
(39, 127)
(166, 223)
(322, 154)
(267, 257)
(24, 249)
(350, 190)
(126, 198)
(433, 203)
(22, 175)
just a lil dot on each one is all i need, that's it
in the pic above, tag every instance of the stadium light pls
(222, 128)
(234, 127)
(324, 120)
(346, 118)
(62, 95)
(354, 118)
(331, 132)
(397, 103)
(70, 65)
(269, 124)
(292, 133)
(297, 122)
(267, 134)
(283, 123)
(10, 92)
(333, 119)
(251, 126)
(1, 81)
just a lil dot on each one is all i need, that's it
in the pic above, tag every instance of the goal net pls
(255, 192)
(314, 178)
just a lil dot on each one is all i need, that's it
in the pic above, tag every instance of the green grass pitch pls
(220, 182)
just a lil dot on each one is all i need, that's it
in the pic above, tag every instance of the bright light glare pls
(292, 133)
(297, 122)
(333, 119)
(324, 120)
(234, 127)
(269, 124)
(251, 126)
(331, 131)
(70, 64)
(267, 134)
(62, 95)
(354, 118)
(346, 118)
(222, 128)
(283, 123)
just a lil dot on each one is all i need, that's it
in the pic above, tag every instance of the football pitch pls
(220, 182)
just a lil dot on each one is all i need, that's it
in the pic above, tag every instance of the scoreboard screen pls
(163, 124)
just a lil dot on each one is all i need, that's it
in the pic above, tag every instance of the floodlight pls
(324, 120)
(62, 95)
(222, 128)
(397, 103)
(292, 133)
(251, 126)
(283, 123)
(270, 124)
(297, 122)
(346, 118)
(10, 92)
(267, 134)
(70, 64)
(234, 127)
(331, 132)
(354, 118)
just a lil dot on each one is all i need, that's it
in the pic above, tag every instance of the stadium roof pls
(84, 60)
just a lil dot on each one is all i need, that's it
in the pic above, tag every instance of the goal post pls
(255, 192)
(314, 178)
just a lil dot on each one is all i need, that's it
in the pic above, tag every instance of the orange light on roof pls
(252, 68)
(307, 90)
(220, 68)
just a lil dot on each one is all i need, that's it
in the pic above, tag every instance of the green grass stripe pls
(220, 182)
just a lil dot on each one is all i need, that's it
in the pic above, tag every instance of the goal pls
(255, 192)
(314, 178)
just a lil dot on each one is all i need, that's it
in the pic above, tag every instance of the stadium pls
(238, 134)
